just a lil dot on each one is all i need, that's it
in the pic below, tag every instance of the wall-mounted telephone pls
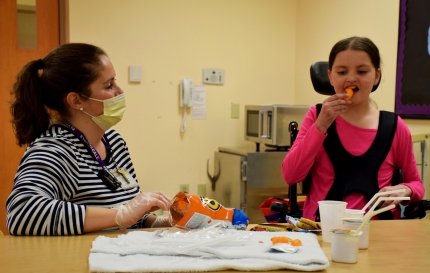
(185, 99)
(186, 93)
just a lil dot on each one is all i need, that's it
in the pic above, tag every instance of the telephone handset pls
(185, 100)
(186, 92)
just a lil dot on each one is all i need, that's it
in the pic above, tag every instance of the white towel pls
(203, 250)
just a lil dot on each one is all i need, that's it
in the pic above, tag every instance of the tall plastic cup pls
(331, 214)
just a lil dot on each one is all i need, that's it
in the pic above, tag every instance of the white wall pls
(264, 46)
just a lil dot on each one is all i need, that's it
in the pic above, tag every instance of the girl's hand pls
(331, 108)
(406, 193)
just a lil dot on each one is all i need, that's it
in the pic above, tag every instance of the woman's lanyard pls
(81, 136)
(104, 174)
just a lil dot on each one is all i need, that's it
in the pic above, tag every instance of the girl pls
(347, 149)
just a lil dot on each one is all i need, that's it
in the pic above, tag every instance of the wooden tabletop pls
(394, 246)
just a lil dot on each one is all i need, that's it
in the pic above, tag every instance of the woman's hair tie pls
(40, 64)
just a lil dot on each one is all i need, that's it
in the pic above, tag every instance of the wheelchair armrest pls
(416, 209)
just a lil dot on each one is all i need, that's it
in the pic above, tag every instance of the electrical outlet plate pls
(235, 110)
(184, 188)
(201, 189)
(213, 76)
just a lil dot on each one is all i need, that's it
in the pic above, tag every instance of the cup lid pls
(346, 232)
(352, 220)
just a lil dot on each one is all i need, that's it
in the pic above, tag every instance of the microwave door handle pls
(269, 124)
(260, 123)
(265, 124)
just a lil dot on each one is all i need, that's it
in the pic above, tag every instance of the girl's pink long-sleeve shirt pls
(308, 155)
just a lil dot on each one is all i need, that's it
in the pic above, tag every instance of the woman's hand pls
(331, 108)
(129, 213)
(158, 221)
(406, 193)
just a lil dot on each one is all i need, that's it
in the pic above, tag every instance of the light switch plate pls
(135, 73)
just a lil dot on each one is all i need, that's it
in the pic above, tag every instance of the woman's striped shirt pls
(58, 177)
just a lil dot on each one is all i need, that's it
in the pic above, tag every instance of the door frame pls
(52, 30)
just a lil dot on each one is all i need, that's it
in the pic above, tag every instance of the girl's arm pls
(300, 158)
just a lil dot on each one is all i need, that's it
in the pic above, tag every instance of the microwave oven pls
(270, 124)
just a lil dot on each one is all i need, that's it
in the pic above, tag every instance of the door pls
(13, 55)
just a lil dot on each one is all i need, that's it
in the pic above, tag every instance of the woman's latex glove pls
(131, 212)
(162, 221)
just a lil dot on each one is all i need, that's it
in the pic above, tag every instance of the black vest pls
(359, 174)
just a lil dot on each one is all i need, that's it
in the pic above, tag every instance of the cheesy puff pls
(349, 93)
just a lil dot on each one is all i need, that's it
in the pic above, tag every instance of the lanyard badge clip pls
(109, 179)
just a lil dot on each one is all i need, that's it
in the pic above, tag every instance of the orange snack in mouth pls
(349, 93)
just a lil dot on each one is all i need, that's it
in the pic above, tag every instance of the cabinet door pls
(230, 186)
(264, 180)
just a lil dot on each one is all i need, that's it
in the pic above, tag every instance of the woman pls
(76, 175)
(350, 149)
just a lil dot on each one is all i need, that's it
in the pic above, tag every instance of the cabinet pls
(421, 156)
(247, 178)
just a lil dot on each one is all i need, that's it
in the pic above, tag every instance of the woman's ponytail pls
(29, 113)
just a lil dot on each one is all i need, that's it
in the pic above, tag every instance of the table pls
(394, 246)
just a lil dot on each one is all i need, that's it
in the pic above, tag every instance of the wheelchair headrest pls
(320, 80)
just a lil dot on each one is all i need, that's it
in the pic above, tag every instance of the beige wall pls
(264, 46)
(322, 23)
